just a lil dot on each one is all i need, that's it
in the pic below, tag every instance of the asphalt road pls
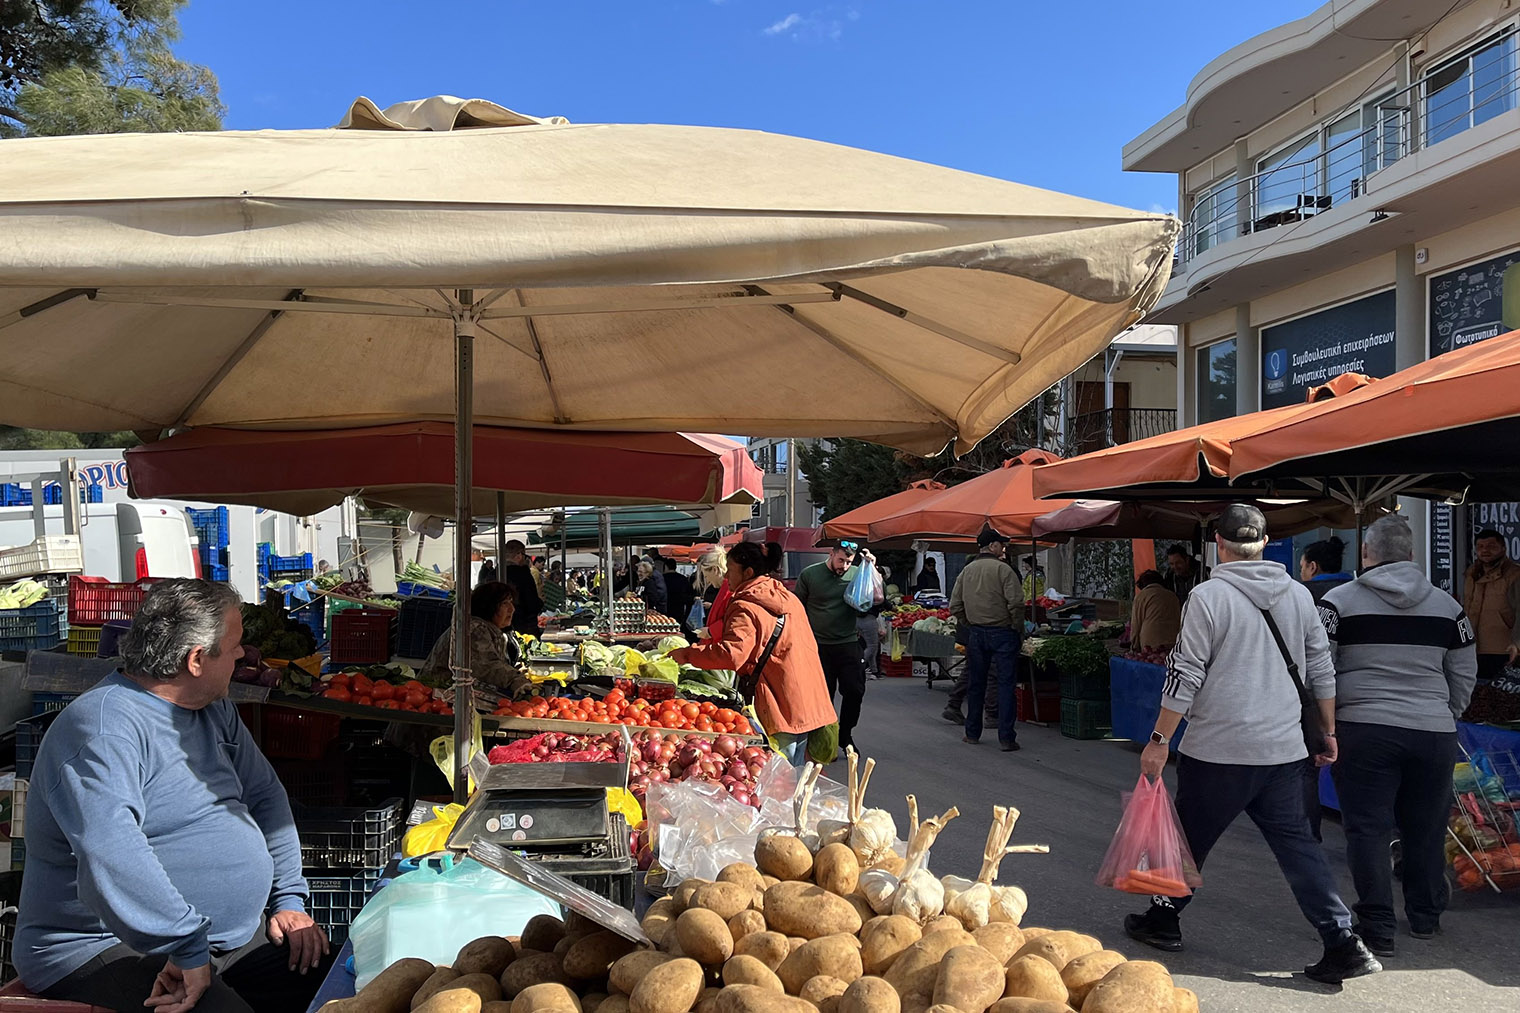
(1246, 942)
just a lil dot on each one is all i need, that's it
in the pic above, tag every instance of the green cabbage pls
(668, 644)
(663, 669)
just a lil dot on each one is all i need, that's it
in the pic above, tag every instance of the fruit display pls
(725, 760)
(560, 747)
(383, 687)
(797, 930)
(907, 614)
(1149, 655)
(616, 709)
(270, 629)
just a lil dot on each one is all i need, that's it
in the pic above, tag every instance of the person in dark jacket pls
(928, 577)
(1183, 572)
(651, 587)
(1405, 666)
(519, 574)
(1320, 566)
(679, 595)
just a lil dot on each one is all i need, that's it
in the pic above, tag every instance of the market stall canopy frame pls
(309, 279)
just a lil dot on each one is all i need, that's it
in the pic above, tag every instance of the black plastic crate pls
(29, 732)
(349, 837)
(1079, 686)
(51, 703)
(1085, 719)
(315, 785)
(423, 621)
(611, 876)
(337, 896)
(363, 636)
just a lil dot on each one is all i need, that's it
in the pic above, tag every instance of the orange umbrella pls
(1443, 428)
(1189, 464)
(856, 524)
(1002, 499)
(1093, 518)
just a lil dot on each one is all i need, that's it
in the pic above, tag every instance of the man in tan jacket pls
(1490, 598)
(1157, 615)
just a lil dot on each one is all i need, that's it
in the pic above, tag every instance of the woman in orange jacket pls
(791, 697)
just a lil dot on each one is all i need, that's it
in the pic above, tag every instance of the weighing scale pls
(553, 814)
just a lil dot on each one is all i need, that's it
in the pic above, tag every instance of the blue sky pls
(1039, 92)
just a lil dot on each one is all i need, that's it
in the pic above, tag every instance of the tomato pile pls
(617, 709)
(1149, 655)
(902, 620)
(356, 687)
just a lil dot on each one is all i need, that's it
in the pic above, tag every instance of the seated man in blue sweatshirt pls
(163, 867)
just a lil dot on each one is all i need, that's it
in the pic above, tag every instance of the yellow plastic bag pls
(897, 645)
(442, 751)
(426, 838)
(621, 800)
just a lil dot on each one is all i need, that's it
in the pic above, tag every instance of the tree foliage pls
(97, 67)
(15, 438)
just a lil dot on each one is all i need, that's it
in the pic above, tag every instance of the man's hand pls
(1514, 652)
(866, 555)
(176, 990)
(1153, 758)
(1330, 755)
(308, 943)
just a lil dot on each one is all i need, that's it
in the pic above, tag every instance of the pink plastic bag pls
(1149, 854)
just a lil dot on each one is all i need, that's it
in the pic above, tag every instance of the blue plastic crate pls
(337, 896)
(16, 494)
(210, 526)
(215, 573)
(29, 732)
(39, 627)
(422, 622)
(408, 589)
(290, 564)
(51, 703)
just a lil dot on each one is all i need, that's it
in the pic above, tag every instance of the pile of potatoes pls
(789, 934)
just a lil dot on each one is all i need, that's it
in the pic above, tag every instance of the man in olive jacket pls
(989, 606)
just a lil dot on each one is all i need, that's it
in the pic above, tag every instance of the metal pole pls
(564, 552)
(606, 539)
(501, 535)
(464, 473)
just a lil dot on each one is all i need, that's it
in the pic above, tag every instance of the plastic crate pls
(612, 876)
(411, 589)
(337, 895)
(16, 494)
(215, 573)
(39, 627)
(322, 784)
(349, 837)
(18, 808)
(210, 526)
(47, 554)
(297, 735)
(84, 640)
(1085, 719)
(212, 556)
(94, 601)
(336, 605)
(29, 733)
(51, 703)
(1077, 686)
(422, 622)
(282, 565)
(902, 669)
(1049, 703)
(363, 636)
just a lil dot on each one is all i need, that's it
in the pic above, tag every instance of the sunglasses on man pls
(850, 546)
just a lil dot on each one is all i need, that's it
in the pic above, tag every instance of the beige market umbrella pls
(454, 260)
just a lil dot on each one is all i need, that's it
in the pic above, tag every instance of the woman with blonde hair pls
(712, 572)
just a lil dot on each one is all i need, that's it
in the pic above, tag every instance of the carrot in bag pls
(1149, 854)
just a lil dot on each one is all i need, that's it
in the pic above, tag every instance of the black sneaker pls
(1155, 928)
(1350, 959)
(968, 740)
(1425, 931)
(953, 716)
(1009, 747)
(1381, 946)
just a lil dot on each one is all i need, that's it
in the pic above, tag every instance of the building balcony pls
(1109, 427)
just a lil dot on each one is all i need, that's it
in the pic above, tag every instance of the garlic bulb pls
(1008, 904)
(955, 885)
(978, 903)
(878, 886)
(970, 906)
(919, 895)
(872, 831)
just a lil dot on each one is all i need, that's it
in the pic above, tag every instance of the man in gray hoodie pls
(1244, 749)
(1406, 662)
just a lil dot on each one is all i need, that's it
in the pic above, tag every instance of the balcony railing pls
(1109, 427)
(1451, 99)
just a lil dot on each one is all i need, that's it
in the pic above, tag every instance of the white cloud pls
(790, 21)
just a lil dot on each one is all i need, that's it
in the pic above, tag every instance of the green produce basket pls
(1085, 719)
(1084, 686)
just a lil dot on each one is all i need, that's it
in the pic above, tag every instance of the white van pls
(121, 541)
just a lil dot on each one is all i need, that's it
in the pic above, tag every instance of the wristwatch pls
(1158, 739)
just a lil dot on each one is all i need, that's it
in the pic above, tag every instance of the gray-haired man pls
(1405, 665)
(1244, 749)
(163, 867)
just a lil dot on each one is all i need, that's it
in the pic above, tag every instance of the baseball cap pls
(1242, 523)
(987, 537)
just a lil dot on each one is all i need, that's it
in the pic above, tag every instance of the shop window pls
(1216, 381)
(1471, 88)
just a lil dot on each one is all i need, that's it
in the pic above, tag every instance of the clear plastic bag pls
(1149, 854)
(865, 588)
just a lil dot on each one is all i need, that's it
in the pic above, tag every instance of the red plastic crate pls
(902, 669)
(1050, 703)
(95, 601)
(296, 735)
(363, 636)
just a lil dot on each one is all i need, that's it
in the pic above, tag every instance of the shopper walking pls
(1230, 676)
(1405, 666)
(1320, 567)
(988, 604)
(821, 589)
(777, 661)
(1492, 599)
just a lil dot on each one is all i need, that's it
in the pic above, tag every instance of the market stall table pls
(1135, 699)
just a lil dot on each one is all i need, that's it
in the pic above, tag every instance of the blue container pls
(16, 494)
(407, 589)
(210, 526)
(216, 573)
(290, 564)
(39, 627)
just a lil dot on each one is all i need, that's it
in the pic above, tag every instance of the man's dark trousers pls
(1211, 795)
(1390, 778)
(992, 649)
(845, 673)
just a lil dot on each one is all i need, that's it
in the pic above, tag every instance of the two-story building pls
(1349, 185)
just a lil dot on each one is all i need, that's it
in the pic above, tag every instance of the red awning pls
(412, 466)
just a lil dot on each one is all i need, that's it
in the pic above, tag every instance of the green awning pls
(630, 526)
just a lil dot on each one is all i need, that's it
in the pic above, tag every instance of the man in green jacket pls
(989, 606)
(821, 589)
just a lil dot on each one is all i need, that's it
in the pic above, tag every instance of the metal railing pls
(1439, 106)
(1109, 427)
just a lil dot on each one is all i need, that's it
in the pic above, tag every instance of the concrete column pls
(1410, 347)
(1187, 379)
(1247, 362)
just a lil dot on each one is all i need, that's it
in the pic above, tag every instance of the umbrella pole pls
(464, 423)
(606, 526)
(501, 534)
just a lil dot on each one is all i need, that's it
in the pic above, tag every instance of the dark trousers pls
(962, 688)
(993, 649)
(1491, 666)
(845, 674)
(1311, 798)
(1211, 795)
(1391, 778)
(254, 977)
